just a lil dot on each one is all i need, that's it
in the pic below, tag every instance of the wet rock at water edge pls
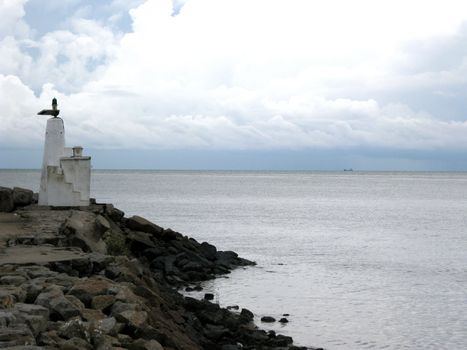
(268, 319)
(209, 296)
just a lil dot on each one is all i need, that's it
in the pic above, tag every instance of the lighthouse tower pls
(66, 173)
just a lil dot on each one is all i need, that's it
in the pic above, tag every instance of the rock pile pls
(121, 292)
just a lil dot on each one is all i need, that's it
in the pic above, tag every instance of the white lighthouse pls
(66, 173)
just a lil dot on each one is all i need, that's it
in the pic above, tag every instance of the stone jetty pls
(91, 278)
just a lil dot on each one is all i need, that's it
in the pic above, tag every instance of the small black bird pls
(54, 111)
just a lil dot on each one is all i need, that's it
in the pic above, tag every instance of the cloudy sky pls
(238, 84)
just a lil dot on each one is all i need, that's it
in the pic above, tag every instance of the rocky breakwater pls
(90, 278)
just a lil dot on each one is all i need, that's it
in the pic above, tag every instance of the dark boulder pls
(208, 250)
(6, 200)
(140, 241)
(268, 319)
(246, 316)
(209, 296)
(283, 320)
(22, 197)
(170, 235)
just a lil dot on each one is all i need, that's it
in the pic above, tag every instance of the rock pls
(92, 315)
(137, 223)
(283, 320)
(258, 336)
(33, 288)
(106, 326)
(59, 306)
(16, 336)
(75, 344)
(102, 223)
(246, 316)
(209, 296)
(87, 289)
(36, 323)
(11, 294)
(105, 342)
(230, 347)
(14, 280)
(120, 307)
(135, 319)
(215, 332)
(140, 241)
(282, 340)
(102, 302)
(285, 314)
(75, 329)
(208, 250)
(268, 319)
(31, 309)
(113, 213)
(6, 200)
(6, 318)
(82, 230)
(170, 235)
(233, 307)
(142, 344)
(22, 197)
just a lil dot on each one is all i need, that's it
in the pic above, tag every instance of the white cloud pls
(236, 75)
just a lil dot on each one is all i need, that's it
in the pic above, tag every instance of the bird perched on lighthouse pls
(54, 111)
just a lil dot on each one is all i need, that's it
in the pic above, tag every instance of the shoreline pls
(89, 277)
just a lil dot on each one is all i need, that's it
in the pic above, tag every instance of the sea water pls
(359, 260)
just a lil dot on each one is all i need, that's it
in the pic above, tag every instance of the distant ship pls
(348, 169)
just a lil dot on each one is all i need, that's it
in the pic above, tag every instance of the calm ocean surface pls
(358, 260)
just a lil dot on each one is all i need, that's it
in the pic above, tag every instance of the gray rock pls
(120, 307)
(106, 326)
(102, 223)
(14, 280)
(135, 319)
(34, 316)
(31, 309)
(142, 344)
(16, 336)
(75, 328)
(6, 200)
(87, 289)
(102, 302)
(83, 230)
(114, 213)
(138, 223)
(75, 343)
(11, 294)
(55, 301)
(22, 197)
(7, 318)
